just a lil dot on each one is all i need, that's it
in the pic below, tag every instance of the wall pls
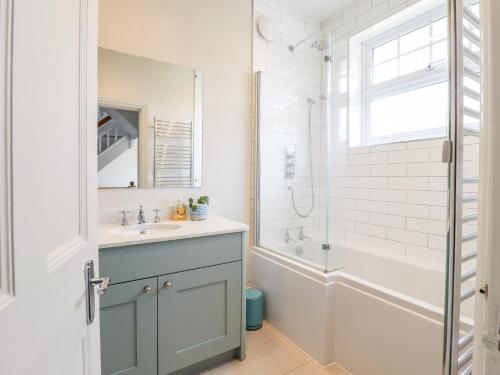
(388, 199)
(216, 37)
(289, 79)
(122, 170)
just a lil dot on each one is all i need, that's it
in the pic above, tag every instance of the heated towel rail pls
(465, 43)
(173, 153)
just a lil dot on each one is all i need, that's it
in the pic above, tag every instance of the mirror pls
(149, 124)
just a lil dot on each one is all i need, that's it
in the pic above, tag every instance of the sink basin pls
(143, 229)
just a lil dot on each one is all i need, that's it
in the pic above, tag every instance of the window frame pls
(435, 74)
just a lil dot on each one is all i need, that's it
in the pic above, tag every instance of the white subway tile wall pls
(289, 79)
(391, 198)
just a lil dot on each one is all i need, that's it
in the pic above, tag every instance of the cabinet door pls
(198, 315)
(129, 328)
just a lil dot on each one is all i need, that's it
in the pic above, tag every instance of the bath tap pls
(288, 237)
(302, 236)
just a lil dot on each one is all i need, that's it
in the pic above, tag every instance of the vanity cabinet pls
(172, 305)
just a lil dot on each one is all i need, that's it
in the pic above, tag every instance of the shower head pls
(319, 45)
(311, 101)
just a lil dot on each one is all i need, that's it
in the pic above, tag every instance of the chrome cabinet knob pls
(167, 285)
(147, 289)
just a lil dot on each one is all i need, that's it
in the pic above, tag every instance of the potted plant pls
(198, 210)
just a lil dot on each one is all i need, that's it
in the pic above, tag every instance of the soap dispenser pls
(180, 210)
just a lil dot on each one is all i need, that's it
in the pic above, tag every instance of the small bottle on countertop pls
(180, 210)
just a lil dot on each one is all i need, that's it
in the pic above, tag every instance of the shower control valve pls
(290, 162)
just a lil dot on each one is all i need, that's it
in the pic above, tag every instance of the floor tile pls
(268, 353)
(262, 336)
(312, 368)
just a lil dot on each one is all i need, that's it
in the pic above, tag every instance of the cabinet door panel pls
(199, 315)
(129, 328)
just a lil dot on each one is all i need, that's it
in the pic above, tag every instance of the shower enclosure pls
(367, 148)
(293, 138)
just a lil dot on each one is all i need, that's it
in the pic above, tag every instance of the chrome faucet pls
(157, 216)
(124, 216)
(140, 216)
(288, 237)
(302, 236)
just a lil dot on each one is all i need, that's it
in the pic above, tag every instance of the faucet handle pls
(157, 216)
(124, 216)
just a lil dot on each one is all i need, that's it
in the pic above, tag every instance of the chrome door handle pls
(101, 283)
(90, 283)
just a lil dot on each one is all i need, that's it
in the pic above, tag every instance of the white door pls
(47, 185)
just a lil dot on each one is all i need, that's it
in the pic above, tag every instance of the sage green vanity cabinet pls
(129, 328)
(172, 306)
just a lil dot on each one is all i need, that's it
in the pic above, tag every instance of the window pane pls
(385, 72)
(440, 29)
(385, 52)
(415, 39)
(414, 61)
(412, 111)
(439, 51)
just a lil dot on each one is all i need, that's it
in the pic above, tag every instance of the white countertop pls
(188, 229)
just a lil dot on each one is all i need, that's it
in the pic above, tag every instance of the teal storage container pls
(255, 309)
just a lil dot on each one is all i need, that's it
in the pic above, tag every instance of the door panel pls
(199, 315)
(48, 209)
(129, 328)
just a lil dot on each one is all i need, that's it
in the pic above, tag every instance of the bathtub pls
(373, 316)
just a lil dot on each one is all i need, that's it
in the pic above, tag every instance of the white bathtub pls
(377, 316)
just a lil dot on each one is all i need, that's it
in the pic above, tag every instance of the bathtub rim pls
(366, 287)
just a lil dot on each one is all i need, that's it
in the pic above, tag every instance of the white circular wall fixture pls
(266, 28)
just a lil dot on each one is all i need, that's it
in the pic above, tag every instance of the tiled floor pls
(269, 353)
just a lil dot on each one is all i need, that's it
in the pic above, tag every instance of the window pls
(405, 88)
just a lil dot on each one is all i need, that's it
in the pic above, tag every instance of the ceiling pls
(318, 10)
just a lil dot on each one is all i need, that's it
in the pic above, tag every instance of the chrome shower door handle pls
(91, 282)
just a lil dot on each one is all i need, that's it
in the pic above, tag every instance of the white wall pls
(389, 199)
(288, 80)
(215, 36)
(122, 170)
